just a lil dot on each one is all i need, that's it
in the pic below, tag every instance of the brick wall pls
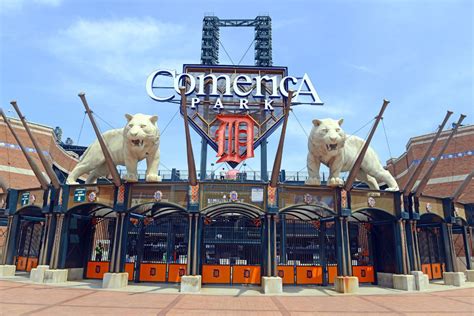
(457, 162)
(15, 171)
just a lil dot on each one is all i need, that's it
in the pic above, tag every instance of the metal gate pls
(372, 247)
(78, 239)
(460, 248)
(361, 237)
(432, 254)
(157, 248)
(306, 251)
(29, 244)
(100, 247)
(231, 250)
(3, 239)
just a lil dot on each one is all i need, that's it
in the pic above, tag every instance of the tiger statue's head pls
(141, 130)
(328, 134)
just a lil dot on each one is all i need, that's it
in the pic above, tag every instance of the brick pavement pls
(30, 299)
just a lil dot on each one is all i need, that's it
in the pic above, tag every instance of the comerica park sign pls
(233, 107)
(239, 85)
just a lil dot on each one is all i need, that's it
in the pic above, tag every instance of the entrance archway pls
(157, 243)
(372, 243)
(31, 233)
(306, 245)
(90, 232)
(232, 250)
(430, 240)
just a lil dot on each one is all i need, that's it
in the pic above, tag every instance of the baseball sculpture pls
(328, 144)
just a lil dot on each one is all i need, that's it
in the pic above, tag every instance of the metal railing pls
(241, 176)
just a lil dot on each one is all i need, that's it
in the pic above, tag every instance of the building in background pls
(456, 163)
(14, 169)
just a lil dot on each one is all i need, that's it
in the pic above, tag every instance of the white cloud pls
(16, 5)
(126, 49)
(362, 68)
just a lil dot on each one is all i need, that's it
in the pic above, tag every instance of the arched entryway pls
(157, 242)
(372, 243)
(232, 244)
(89, 230)
(29, 239)
(306, 245)
(430, 241)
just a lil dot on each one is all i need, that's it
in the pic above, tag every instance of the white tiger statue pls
(139, 139)
(328, 144)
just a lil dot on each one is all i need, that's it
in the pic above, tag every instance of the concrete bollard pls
(115, 280)
(7, 270)
(346, 284)
(421, 280)
(385, 279)
(272, 285)
(404, 282)
(37, 274)
(470, 275)
(55, 276)
(190, 284)
(454, 278)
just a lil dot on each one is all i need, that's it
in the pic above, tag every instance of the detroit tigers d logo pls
(234, 138)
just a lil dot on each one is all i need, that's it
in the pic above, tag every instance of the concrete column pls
(467, 248)
(410, 245)
(189, 254)
(44, 242)
(117, 277)
(341, 260)
(58, 242)
(268, 265)
(416, 248)
(11, 242)
(195, 244)
(448, 245)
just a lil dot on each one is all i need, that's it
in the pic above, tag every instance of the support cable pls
(299, 123)
(169, 122)
(225, 50)
(386, 139)
(245, 54)
(80, 130)
(97, 115)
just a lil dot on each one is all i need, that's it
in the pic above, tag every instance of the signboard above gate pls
(233, 107)
(30, 198)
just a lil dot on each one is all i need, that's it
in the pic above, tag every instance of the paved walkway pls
(21, 298)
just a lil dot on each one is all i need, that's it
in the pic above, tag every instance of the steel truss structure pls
(211, 39)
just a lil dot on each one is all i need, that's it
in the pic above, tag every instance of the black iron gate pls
(100, 247)
(157, 248)
(231, 249)
(372, 247)
(29, 244)
(306, 251)
(431, 248)
(78, 240)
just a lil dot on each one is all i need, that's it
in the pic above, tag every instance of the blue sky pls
(417, 54)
